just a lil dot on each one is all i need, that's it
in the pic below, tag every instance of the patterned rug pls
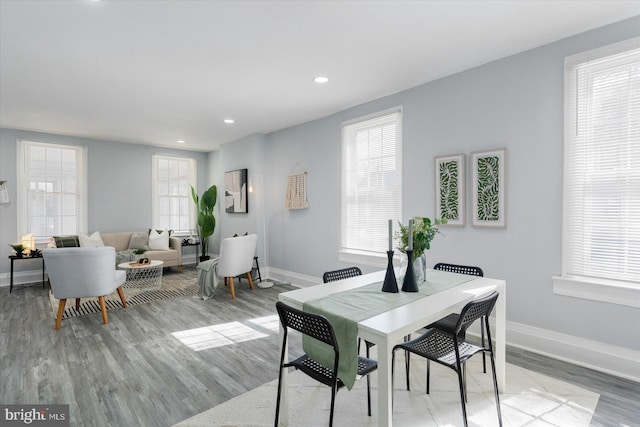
(174, 285)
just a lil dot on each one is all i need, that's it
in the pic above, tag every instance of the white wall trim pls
(21, 277)
(619, 361)
(597, 290)
(296, 279)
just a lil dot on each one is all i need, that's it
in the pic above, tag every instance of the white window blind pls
(371, 181)
(52, 189)
(173, 207)
(601, 220)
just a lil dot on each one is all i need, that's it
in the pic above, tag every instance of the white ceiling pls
(153, 72)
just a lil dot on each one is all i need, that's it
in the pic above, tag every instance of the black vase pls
(390, 284)
(409, 283)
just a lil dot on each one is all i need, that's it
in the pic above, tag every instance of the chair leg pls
(495, 387)
(428, 374)
(122, 298)
(61, 305)
(462, 393)
(233, 292)
(103, 309)
(368, 386)
(407, 361)
(484, 359)
(180, 268)
(77, 304)
(333, 403)
(250, 280)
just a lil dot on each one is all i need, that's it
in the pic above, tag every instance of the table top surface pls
(405, 318)
(152, 263)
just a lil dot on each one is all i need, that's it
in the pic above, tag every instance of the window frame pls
(598, 289)
(155, 197)
(361, 256)
(23, 179)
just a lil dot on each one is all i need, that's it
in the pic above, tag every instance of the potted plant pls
(424, 230)
(206, 221)
(19, 248)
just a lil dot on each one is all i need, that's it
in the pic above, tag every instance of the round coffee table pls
(145, 276)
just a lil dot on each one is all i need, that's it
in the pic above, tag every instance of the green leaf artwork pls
(449, 190)
(488, 189)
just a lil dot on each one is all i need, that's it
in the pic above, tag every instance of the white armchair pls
(81, 273)
(236, 258)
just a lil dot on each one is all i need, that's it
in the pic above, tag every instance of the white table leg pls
(283, 419)
(501, 337)
(385, 384)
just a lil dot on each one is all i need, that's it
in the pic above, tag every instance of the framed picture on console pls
(489, 188)
(449, 189)
(235, 191)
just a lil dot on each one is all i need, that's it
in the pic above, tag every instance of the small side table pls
(15, 257)
(196, 244)
(143, 276)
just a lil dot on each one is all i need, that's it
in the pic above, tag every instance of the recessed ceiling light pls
(180, 141)
(321, 79)
(229, 121)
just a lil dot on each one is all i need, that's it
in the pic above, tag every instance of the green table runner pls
(345, 309)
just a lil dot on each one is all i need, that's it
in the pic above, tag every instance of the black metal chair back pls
(318, 327)
(447, 348)
(344, 273)
(461, 269)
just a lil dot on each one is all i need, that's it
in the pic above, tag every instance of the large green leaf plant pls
(206, 220)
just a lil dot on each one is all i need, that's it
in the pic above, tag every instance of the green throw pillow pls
(67, 241)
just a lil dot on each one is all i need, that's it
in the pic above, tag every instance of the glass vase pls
(420, 268)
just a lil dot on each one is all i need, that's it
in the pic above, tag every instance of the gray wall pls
(119, 184)
(515, 103)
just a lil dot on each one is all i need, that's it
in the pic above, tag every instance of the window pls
(52, 189)
(601, 212)
(173, 208)
(371, 185)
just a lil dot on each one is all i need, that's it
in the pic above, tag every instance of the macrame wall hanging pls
(4, 192)
(297, 190)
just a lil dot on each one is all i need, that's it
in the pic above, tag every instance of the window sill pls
(597, 290)
(364, 258)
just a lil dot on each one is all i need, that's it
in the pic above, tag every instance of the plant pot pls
(204, 258)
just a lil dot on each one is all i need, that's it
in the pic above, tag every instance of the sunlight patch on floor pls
(217, 335)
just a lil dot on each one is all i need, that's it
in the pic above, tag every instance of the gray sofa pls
(171, 257)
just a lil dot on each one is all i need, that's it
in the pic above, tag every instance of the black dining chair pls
(444, 346)
(318, 327)
(450, 320)
(345, 273)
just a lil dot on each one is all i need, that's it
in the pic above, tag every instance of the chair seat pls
(438, 346)
(325, 375)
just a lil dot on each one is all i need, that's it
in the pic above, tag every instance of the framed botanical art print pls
(489, 187)
(450, 188)
(235, 191)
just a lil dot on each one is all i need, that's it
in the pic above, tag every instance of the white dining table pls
(390, 327)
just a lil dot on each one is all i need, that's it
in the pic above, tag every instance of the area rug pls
(174, 285)
(531, 399)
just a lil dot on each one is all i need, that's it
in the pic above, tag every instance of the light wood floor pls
(133, 372)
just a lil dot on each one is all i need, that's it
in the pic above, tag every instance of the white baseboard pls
(21, 277)
(619, 361)
(296, 279)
